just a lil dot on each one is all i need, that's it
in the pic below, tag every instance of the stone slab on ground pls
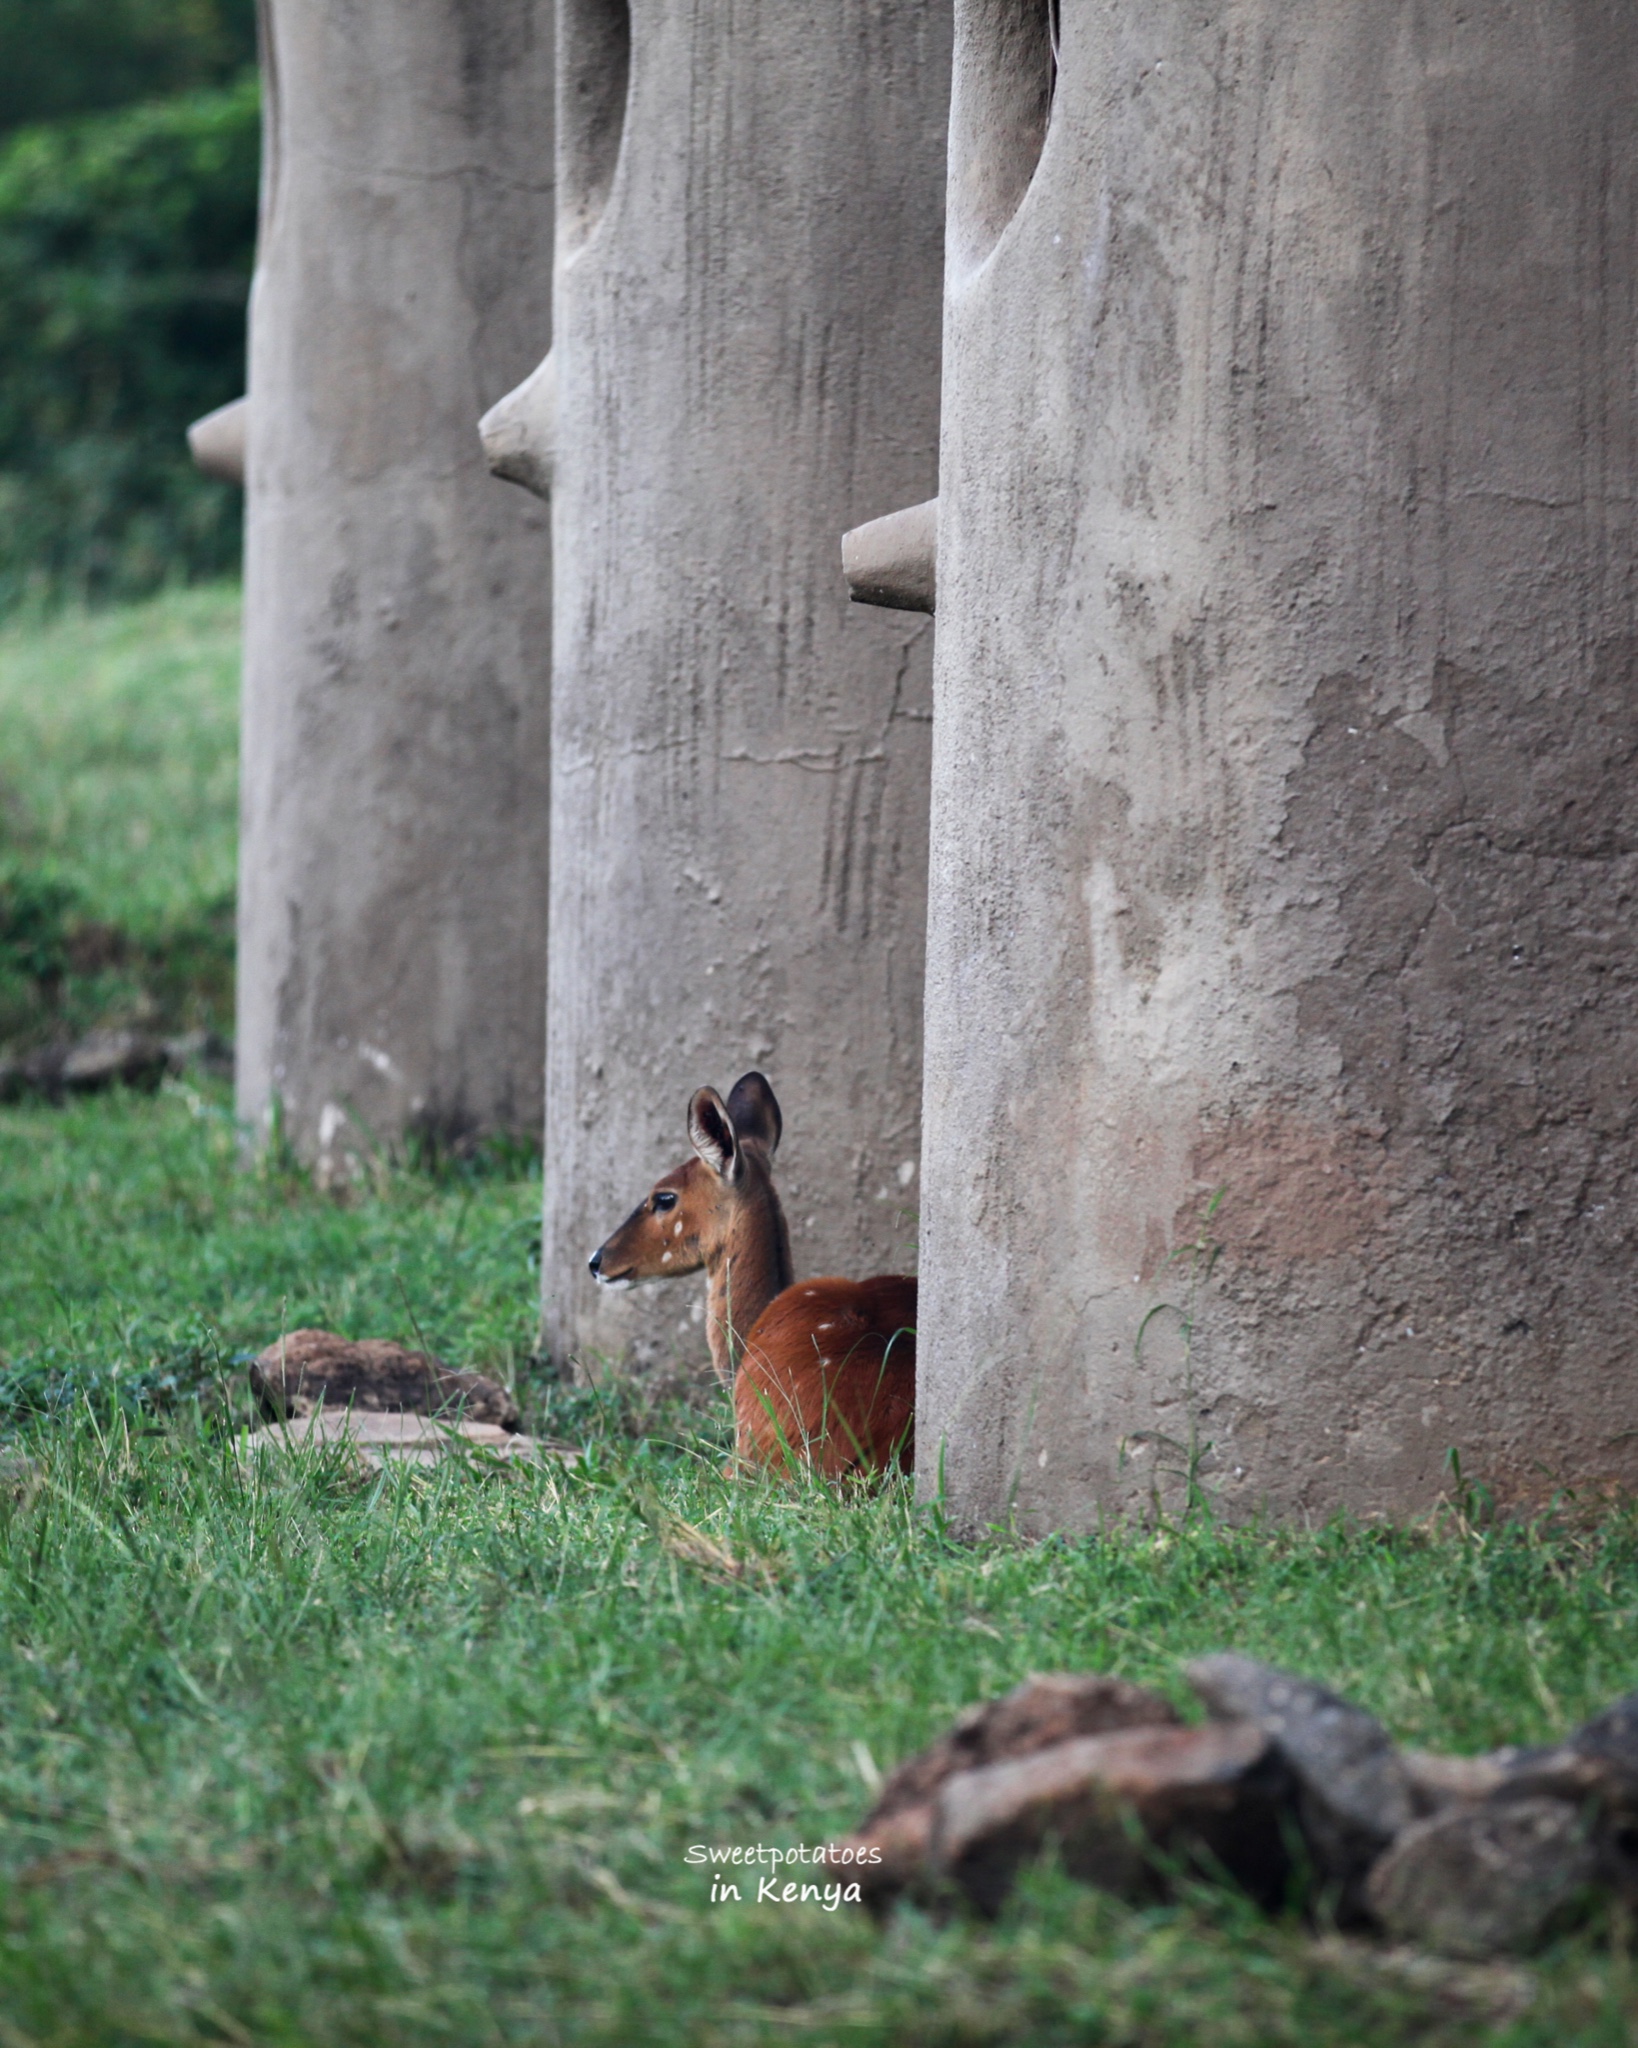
(309, 1369)
(404, 1438)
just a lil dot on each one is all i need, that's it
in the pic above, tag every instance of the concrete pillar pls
(1281, 1032)
(750, 247)
(396, 698)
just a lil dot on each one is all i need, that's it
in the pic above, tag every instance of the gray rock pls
(1487, 1879)
(1115, 1806)
(1608, 1746)
(376, 1438)
(96, 1062)
(1439, 1781)
(1355, 1795)
(205, 1049)
(309, 1369)
(106, 1057)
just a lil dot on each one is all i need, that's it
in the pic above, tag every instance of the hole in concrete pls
(594, 77)
(1006, 72)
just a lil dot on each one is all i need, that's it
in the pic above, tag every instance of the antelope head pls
(717, 1210)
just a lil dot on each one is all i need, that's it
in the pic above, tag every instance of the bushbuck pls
(823, 1373)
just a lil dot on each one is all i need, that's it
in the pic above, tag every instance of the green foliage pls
(118, 802)
(126, 243)
(62, 57)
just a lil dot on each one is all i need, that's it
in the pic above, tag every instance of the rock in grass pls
(1598, 1764)
(1049, 1708)
(1354, 1795)
(312, 1368)
(1609, 1744)
(1119, 1808)
(1487, 1879)
(127, 1057)
(17, 1470)
(1437, 1782)
(1595, 1769)
(890, 1853)
(206, 1050)
(107, 1057)
(376, 1437)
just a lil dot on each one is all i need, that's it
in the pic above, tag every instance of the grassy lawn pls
(289, 1757)
(118, 811)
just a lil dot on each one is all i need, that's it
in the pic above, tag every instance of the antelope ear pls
(711, 1132)
(754, 1110)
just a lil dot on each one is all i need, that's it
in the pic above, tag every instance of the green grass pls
(287, 1757)
(118, 809)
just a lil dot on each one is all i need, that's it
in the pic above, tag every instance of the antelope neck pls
(752, 1265)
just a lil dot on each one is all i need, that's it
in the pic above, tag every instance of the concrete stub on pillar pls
(893, 561)
(750, 247)
(1281, 1018)
(519, 431)
(398, 622)
(216, 441)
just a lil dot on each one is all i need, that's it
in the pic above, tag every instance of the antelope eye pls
(665, 1198)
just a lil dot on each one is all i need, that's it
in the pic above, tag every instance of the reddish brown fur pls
(827, 1369)
(829, 1377)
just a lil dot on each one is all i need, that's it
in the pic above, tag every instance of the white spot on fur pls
(665, 1258)
(676, 1231)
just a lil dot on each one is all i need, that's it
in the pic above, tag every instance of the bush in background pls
(126, 245)
(118, 805)
(62, 57)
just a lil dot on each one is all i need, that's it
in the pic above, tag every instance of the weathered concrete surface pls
(393, 857)
(1285, 821)
(746, 356)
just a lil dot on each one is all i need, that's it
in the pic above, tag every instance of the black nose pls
(596, 1259)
